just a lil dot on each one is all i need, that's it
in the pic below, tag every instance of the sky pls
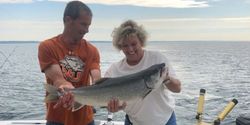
(164, 20)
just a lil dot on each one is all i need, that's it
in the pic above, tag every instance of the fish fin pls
(76, 106)
(101, 80)
(52, 93)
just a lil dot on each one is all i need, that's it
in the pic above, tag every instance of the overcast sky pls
(165, 20)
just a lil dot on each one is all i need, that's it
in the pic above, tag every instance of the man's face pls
(80, 26)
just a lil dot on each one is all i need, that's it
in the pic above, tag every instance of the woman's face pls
(132, 49)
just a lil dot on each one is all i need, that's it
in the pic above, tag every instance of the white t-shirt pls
(157, 107)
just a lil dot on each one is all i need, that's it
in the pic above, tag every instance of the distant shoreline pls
(21, 42)
(15, 42)
(36, 42)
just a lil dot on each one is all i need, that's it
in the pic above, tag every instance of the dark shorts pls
(171, 121)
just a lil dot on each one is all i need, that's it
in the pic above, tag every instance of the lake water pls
(222, 68)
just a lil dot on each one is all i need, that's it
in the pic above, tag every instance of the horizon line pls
(36, 41)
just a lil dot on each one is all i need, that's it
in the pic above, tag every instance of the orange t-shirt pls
(76, 66)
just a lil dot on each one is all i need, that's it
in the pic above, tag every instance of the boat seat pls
(243, 119)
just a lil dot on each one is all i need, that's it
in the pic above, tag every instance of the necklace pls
(70, 47)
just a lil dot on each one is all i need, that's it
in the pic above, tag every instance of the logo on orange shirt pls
(72, 68)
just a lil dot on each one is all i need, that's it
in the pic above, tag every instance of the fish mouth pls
(163, 70)
(151, 81)
(156, 75)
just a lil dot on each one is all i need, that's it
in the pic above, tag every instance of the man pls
(69, 61)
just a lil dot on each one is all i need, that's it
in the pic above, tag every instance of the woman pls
(157, 108)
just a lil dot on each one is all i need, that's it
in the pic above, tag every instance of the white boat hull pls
(43, 122)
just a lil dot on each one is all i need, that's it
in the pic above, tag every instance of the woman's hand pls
(114, 105)
(172, 83)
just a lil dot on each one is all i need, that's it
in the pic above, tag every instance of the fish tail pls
(52, 95)
(76, 106)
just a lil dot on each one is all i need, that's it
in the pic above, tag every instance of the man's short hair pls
(73, 9)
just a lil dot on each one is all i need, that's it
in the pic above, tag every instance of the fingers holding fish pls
(114, 105)
(66, 98)
(166, 80)
(65, 86)
(58, 103)
(173, 84)
(124, 104)
(166, 77)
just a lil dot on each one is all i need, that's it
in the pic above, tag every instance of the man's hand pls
(54, 73)
(114, 105)
(66, 100)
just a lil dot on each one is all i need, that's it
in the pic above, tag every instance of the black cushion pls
(243, 120)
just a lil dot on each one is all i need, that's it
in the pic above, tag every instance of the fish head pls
(155, 76)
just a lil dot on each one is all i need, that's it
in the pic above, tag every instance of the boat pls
(220, 117)
(43, 122)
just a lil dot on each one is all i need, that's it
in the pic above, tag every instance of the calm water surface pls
(222, 68)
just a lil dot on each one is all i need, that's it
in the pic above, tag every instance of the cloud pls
(233, 29)
(144, 3)
(202, 24)
(153, 3)
(247, 1)
(232, 19)
(16, 1)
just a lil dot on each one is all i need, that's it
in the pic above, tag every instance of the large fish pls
(125, 88)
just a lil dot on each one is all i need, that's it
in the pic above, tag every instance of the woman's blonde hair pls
(126, 29)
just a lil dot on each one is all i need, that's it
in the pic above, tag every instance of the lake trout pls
(125, 88)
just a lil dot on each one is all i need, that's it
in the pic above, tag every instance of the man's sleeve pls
(95, 59)
(45, 56)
